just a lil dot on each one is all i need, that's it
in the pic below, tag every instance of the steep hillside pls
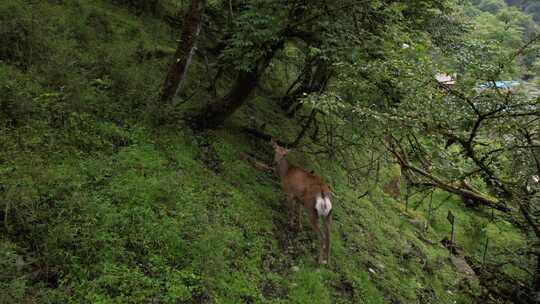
(100, 206)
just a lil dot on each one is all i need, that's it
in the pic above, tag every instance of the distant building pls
(446, 79)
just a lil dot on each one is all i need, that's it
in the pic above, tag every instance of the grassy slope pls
(99, 207)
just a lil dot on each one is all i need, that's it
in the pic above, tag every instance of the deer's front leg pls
(299, 213)
(290, 209)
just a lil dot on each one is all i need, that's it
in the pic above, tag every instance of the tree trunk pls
(246, 81)
(184, 52)
(305, 127)
(288, 99)
(215, 114)
(315, 81)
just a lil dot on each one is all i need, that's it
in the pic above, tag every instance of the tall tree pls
(186, 47)
(246, 81)
(258, 33)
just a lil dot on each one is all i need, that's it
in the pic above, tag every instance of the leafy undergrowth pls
(182, 217)
(100, 207)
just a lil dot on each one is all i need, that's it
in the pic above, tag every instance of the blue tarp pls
(500, 84)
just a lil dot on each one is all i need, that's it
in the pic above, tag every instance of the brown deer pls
(311, 192)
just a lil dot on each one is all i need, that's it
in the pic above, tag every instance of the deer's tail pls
(323, 205)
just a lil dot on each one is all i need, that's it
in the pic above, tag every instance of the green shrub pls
(16, 90)
(22, 39)
(13, 282)
(100, 24)
(153, 7)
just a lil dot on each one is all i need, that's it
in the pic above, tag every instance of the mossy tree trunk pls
(216, 113)
(186, 47)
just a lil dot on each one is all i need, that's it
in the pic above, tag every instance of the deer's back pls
(303, 185)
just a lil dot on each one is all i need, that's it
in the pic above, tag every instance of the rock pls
(463, 267)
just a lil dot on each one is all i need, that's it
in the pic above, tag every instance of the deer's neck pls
(282, 167)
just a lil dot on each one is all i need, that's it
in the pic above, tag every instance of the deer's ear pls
(273, 142)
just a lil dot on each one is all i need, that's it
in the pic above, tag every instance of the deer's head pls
(279, 152)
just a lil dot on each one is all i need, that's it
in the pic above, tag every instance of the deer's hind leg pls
(314, 219)
(327, 229)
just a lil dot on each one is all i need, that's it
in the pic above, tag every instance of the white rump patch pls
(323, 205)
